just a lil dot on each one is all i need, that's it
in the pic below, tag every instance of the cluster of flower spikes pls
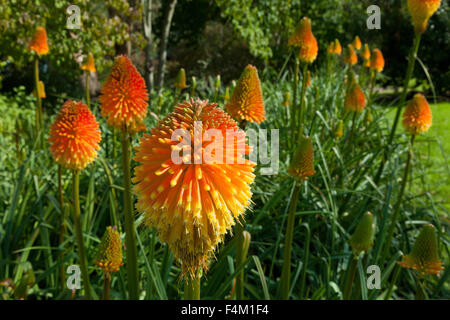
(38, 42)
(109, 255)
(424, 257)
(417, 117)
(421, 11)
(247, 103)
(124, 97)
(74, 136)
(194, 202)
(305, 40)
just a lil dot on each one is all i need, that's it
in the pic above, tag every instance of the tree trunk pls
(147, 27)
(163, 45)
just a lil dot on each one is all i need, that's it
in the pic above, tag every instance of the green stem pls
(62, 227)
(130, 236)
(79, 232)
(240, 261)
(88, 97)
(350, 278)
(38, 101)
(397, 271)
(421, 292)
(396, 214)
(107, 286)
(294, 98)
(286, 271)
(192, 288)
(352, 129)
(302, 100)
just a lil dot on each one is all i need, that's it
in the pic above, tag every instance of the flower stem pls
(62, 227)
(130, 236)
(88, 97)
(286, 271)
(106, 286)
(294, 98)
(192, 288)
(79, 233)
(350, 278)
(239, 261)
(302, 101)
(38, 101)
(391, 229)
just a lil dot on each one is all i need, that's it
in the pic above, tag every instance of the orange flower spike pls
(356, 43)
(421, 11)
(337, 47)
(39, 43)
(350, 56)
(124, 96)
(304, 38)
(89, 64)
(417, 117)
(425, 256)
(302, 165)
(246, 102)
(192, 206)
(355, 100)
(377, 60)
(365, 54)
(180, 81)
(308, 79)
(74, 136)
(330, 48)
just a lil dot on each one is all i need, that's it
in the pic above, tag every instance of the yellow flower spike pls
(369, 117)
(330, 48)
(350, 56)
(365, 54)
(339, 132)
(41, 88)
(417, 117)
(89, 64)
(109, 256)
(356, 43)
(217, 82)
(305, 40)
(39, 43)
(246, 102)
(362, 239)
(226, 95)
(377, 60)
(421, 11)
(424, 257)
(192, 206)
(302, 165)
(337, 47)
(180, 80)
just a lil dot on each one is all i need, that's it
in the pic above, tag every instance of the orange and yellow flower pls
(74, 136)
(195, 197)
(89, 64)
(421, 11)
(377, 60)
(124, 97)
(424, 257)
(41, 89)
(302, 164)
(337, 47)
(356, 43)
(39, 43)
(350, 56)
(109, 255)
(417, 117)
(355, 100)
(304, 38)
(308, 79)
(246, 102)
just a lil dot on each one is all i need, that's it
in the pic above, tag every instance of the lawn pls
(433, 150)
